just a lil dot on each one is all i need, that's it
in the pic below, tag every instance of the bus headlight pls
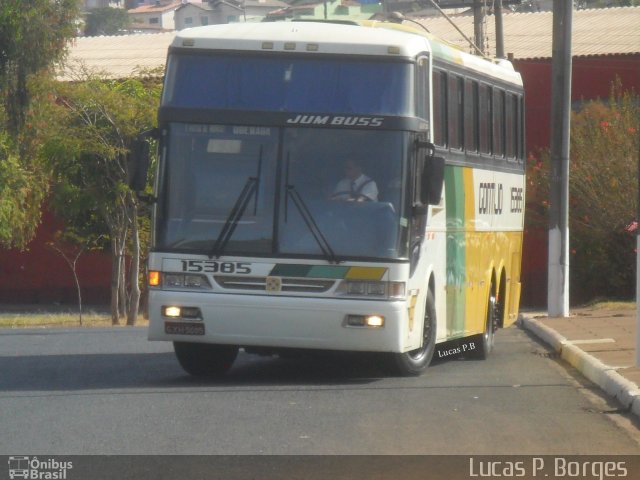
(179, 280)
(173, 311)
(368, 289)
(374, 321)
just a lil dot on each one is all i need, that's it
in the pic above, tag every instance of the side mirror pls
(139, 165)
(139, 159)
(432, 180)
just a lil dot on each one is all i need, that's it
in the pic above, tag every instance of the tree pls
(106, 21)
(96, 123)
(33, 36)
(603, 188)
(23, 186)
(71, 247)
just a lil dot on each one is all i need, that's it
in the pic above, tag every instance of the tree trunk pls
(77, 280)
(115, 281)
(122, 284)
(134, 299)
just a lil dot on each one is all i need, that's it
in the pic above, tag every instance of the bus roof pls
(370, 38)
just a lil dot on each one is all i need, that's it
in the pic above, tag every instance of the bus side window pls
(422, 88)
(498, 122)
(471, 115)
(439, 108)
(511, 125)
(520, 121)
(456, 112)
(485, 124)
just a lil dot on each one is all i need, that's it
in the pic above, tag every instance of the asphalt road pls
(110, 391)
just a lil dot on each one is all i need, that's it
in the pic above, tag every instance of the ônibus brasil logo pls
(36, 469)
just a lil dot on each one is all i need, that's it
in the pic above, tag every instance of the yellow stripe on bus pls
(366, 273)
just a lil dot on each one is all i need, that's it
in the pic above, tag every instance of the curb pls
(605, 377)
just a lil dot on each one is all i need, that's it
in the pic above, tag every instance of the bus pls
(252, 246)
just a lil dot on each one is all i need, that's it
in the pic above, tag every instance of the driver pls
(355, 186)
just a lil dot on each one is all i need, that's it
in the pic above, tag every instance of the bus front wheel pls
(205, 360)
(416, 361)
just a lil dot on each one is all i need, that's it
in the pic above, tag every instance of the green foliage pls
(33, 36)
(23, 186)
(106, 21)
(603, 185)
(95, 123)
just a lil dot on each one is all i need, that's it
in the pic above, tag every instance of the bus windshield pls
(293, 190)
(294, 84)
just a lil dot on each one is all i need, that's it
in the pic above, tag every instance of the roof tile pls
(612, 31)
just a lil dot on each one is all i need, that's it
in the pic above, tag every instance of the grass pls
(610, 305)
(44, 319)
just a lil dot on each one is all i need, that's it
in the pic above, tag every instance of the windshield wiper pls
(234, 217)
(250, 188)
(311, 224)
(290, 190)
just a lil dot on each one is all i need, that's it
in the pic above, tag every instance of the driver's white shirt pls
(343, 188)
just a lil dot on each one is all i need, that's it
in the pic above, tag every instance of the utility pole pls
(638, 266)
(478, 23)
(558, 275)
(499, 29)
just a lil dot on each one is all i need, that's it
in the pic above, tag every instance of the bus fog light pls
(174, 312)
(191, 312)
(355, 320)
(374, 321)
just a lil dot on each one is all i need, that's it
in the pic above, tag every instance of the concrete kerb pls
(607, 378)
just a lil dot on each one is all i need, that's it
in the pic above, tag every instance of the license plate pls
(175, 328)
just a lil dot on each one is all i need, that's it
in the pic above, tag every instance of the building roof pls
(239, 5)
(116, 56)
(155, 8)
(201, 6)
(604, 31)
(612, 31)
(265, 3)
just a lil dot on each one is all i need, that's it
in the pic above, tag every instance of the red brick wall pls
(40, 274)
(591, 78)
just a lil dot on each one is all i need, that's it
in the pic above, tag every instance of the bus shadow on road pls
(86, 372)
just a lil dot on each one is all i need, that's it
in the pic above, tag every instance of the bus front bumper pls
(278, 321)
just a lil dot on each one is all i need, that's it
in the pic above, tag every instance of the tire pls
(416, 361)
(205, 360)
(487, 339)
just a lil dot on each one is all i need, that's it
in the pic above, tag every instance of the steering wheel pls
(349, 196)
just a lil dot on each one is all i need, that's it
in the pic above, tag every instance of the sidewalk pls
(598, 343)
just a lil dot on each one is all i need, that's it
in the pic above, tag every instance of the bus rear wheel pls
(205, 360)
(416, 361)
(491, 324)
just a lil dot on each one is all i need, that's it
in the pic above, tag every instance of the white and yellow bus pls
(252, 246)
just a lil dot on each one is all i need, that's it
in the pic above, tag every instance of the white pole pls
(638, 265)
(638, 281)
(558, 275)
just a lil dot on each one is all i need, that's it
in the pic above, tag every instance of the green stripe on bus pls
(327, 271)
(288, 270)
(456, 250)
